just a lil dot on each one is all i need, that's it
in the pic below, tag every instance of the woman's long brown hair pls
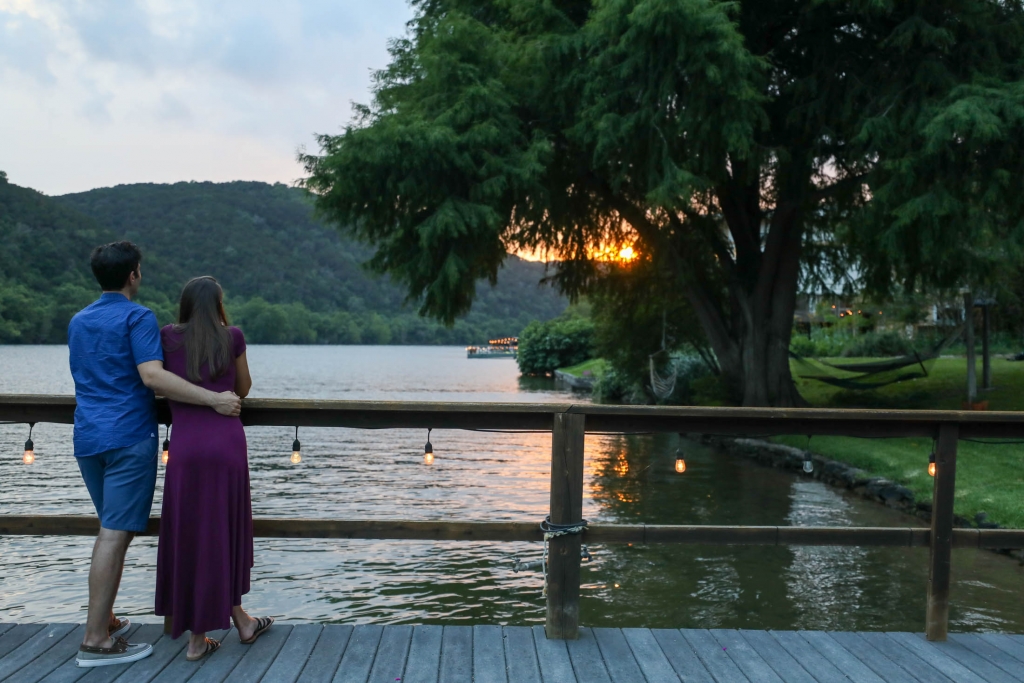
(204, 328)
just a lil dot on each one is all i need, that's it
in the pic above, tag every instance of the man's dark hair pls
(113, 263)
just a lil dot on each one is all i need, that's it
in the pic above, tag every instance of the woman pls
(206, 551)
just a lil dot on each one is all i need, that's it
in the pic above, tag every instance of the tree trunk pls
(752, 341)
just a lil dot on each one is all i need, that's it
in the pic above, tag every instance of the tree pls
(727, 140)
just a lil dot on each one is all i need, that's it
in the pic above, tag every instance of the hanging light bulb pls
(30, 448)
(296, 449)
(808, 463)
(428, 451)
(166, 455)
(931, 464)
(680, 462)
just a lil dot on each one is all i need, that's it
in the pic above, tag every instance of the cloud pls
(254, 75)
(25, 45)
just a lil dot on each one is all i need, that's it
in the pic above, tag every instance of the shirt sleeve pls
(239, 340)
(145, 337)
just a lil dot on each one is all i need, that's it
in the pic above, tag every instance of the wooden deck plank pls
(16, 636)
(69, 671)
(143, 670)
(43, 640)
(552, 657)
(424, 661)
(323, 660)
(878, 662)
(292, 658)
(457, 654)
(179, 669)
(586, 659)
(988, 652)
(357, 661)
(905, 658)
(715, 659)
(61, 653)
(618, 656)
(681, 656)
(262, 654)
(1012, 645)
(489, 655)
(648, 655)
(521, 655)
(782, 663)
(977, 663)
(492, 654)
(753, 666)
(842, 658)
(940, 656)
(392, 652)
(823, 670)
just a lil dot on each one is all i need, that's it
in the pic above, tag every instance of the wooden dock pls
(522, 654)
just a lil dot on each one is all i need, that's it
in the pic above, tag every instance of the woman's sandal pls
(211, 647)
(262, 624)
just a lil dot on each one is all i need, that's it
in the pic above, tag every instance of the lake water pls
(348, 473)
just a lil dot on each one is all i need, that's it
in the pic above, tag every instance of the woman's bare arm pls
(243, 381)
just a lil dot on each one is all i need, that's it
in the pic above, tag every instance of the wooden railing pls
(568, 424)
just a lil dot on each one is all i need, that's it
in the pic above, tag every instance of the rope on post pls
(554, 531)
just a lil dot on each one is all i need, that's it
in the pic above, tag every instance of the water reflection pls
(380, 474)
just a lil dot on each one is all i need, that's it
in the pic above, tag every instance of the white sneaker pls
(121, 653)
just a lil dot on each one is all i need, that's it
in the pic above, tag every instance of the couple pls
(119, 358)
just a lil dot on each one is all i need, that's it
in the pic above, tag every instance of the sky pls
(95, 93)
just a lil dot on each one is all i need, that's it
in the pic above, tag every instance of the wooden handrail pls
(568, 422)
(599, 418)
(466, 530)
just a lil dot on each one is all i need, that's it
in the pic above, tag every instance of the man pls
(117, 364)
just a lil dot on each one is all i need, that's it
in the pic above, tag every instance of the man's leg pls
(104, 580)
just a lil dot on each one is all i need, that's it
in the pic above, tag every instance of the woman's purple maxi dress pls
(205, 551)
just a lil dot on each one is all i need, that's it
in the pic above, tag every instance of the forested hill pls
(288, 278)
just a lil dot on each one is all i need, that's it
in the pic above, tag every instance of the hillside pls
(288, 278)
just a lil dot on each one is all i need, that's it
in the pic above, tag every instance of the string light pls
(428, 451)
(680, 462)
(931, 464)
(808, 463)
(296, 448)
(30, 448)
(166, 455)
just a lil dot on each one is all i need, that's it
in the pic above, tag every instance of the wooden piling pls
(563, 599)
(972, 378)
(986, 354)
(937, 617)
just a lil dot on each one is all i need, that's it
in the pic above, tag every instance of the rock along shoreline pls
(841, 475)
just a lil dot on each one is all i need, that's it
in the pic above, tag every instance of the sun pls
(627, 254)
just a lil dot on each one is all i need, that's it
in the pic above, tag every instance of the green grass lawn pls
(596, 367)
(990, 478)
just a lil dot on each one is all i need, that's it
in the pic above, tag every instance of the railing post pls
(941, 545)
(563, 600)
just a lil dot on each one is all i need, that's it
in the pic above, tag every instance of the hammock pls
(662, 384)
(875, 370)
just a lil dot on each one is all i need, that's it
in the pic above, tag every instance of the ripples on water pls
(349, 473)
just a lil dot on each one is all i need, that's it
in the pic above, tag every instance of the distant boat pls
(507, 347)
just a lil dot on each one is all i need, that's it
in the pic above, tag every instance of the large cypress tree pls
(727, 139)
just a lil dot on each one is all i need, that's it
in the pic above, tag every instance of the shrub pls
(545, 347)
(878, 344)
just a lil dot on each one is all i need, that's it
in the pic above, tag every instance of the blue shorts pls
(121, 484)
